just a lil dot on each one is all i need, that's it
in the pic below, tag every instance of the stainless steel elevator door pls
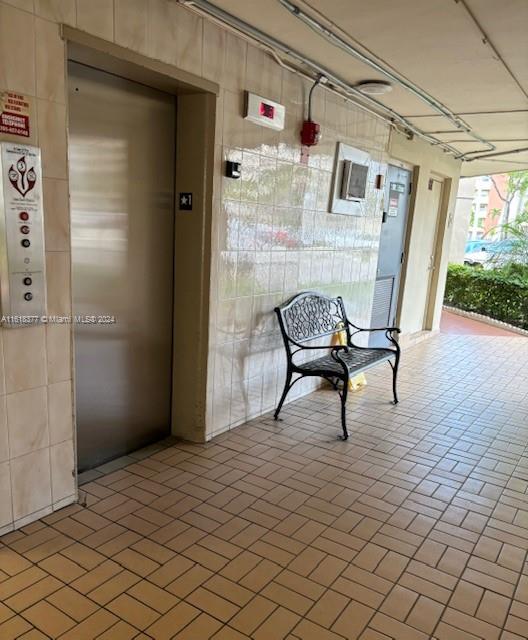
(121, 155)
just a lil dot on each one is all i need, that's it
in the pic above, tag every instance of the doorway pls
(427, 295)
(122, 171)
(391, 252)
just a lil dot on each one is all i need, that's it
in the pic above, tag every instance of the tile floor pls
(415, 528)
(453, 323)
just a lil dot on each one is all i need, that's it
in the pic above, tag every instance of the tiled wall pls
(36, 435)
(272, 234)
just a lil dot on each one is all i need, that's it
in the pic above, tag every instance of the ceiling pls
(470, 55)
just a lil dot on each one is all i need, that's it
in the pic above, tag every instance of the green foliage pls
(517, 232)
(515, 271)
(472, 217)
(517, 183)
(501, 294)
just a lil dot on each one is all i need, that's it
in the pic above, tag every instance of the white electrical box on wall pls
(22, 257)
(350, 184)
(264, 112)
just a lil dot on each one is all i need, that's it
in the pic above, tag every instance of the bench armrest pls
(389, 332)
(390, 329)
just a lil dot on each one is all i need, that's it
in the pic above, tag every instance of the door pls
(391, 251)
(430, 239)
(121, 156)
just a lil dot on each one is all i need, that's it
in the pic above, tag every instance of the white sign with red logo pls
(22, 261)
(21, 167)
(14, 114)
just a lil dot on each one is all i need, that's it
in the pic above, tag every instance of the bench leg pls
(343, 395)
(395, 377)
(287, 387)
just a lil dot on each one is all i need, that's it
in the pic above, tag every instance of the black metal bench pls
(311, 315)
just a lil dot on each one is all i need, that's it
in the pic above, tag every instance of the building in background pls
(483, 205)
(493, 204)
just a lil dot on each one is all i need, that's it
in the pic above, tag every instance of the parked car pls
(491, 254)
(475, 245)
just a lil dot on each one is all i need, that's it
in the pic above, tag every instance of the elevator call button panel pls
(22, 257)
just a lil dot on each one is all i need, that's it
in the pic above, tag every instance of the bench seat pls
(356, 361)
(309, 316)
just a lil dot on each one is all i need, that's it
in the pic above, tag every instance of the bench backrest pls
(310, 315)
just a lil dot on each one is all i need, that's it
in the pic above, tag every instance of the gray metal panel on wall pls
(391, 247)
(121, 153)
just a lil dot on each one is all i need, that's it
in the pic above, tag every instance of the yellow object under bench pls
(357, 382)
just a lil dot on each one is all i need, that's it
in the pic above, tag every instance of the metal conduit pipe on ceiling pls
(209, 10)
(336, 40)
(497, 153)
(389, 115)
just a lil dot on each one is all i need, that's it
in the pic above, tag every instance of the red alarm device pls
(310, 133)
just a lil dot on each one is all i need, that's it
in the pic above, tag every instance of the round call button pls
(23, 215)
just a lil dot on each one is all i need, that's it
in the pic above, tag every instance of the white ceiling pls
(436, 45)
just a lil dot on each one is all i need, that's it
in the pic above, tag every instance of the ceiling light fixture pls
(374, 87)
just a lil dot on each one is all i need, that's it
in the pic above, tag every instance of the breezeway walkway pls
(415, 528)
(460, 325)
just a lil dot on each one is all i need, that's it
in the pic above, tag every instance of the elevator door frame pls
(124, 381)
(195, 136)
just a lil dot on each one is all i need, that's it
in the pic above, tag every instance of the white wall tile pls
(27, 421)
(50, 61)
(131, 24)
(96, 17)
(31, 483)
(4, 437)
(6, 510)
(56, 214)
(56, 10)
(58, 342)
(17, 72)
(62, 470)
(58, 270)
(25, 358)
(52, 138)
(60, 412)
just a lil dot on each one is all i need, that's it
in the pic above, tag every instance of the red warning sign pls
(14, 114)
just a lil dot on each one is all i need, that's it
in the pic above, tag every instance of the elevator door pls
(121, 155)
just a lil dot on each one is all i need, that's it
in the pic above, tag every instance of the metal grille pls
(381, 305)
(312, 316)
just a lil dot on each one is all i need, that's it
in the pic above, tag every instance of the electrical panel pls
(22, 257)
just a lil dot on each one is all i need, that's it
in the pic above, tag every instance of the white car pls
(491, 255)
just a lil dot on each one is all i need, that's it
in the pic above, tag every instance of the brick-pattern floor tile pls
(173, 621)
(415, 528)
(132, 611)
(277, 626)
(72, 603)
(48, 619)
(14, 628)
